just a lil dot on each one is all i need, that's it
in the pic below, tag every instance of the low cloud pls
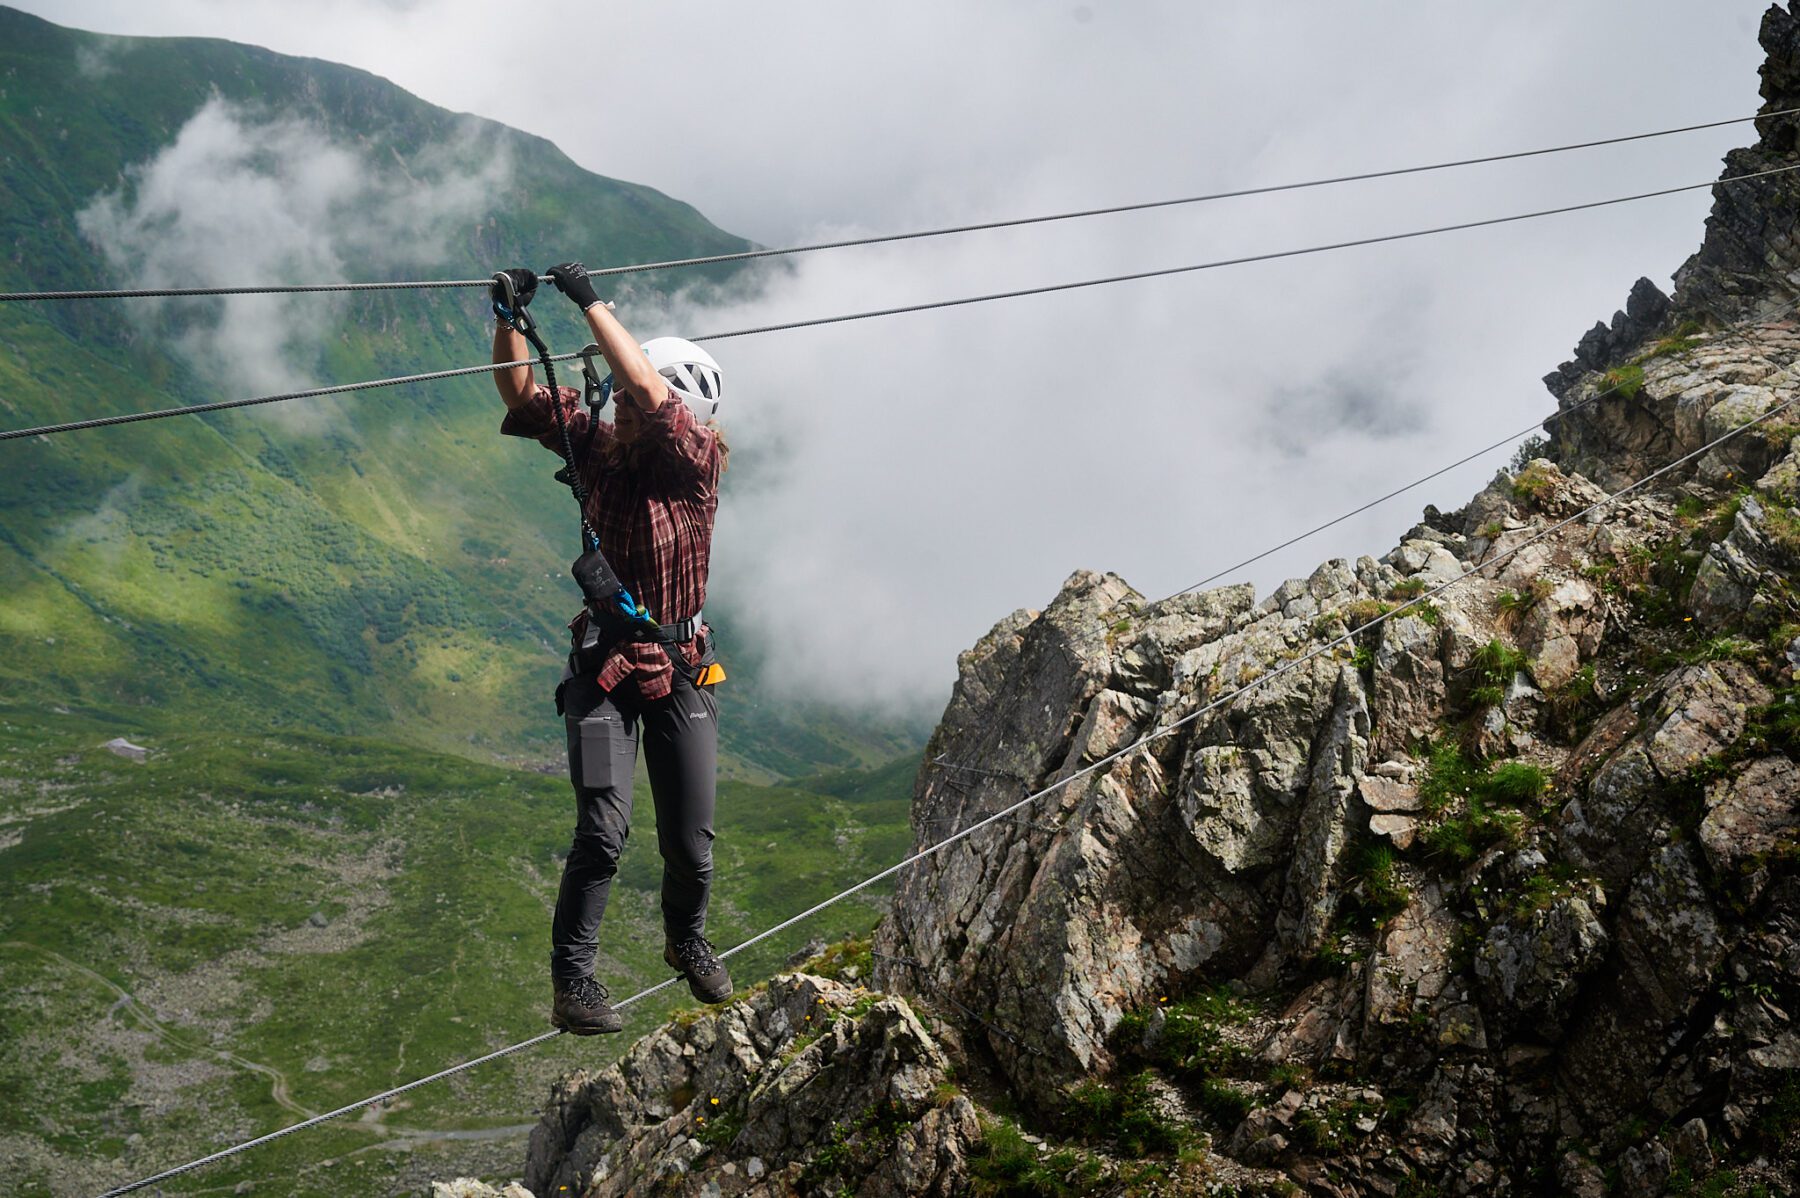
(241, 198)
(97, 60)
(938, 470)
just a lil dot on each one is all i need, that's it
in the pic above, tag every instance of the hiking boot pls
(705, 973)
(580, 1006)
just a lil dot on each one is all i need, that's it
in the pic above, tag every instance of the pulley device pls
(608, 600)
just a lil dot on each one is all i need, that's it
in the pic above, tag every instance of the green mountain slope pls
(383, 564)
(246, 930)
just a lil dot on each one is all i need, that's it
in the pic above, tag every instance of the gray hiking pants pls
(681, 747)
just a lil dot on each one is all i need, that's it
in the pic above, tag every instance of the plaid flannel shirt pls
(654, 519)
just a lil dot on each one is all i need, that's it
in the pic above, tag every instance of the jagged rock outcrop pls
(1606, 345)
(1616, 434)
(1587, 942)
(1748, 266)
(806, 1086)
(1750, 260)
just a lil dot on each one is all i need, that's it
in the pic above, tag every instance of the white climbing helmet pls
(690, 371)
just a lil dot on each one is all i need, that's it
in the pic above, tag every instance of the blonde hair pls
(718, 433)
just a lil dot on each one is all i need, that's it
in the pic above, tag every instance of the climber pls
(649, 484)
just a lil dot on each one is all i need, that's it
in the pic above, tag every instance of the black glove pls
(512, 289)
(571, 278)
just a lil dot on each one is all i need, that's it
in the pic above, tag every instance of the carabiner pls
(507, 306)
(592, 382)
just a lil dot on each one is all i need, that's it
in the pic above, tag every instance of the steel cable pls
(104, 421)
(881, 239)
(1271, 256)
(988, 821)
(225, 405)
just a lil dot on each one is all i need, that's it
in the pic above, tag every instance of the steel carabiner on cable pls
(504, 292)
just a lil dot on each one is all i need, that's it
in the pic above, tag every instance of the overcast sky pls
(942, 469)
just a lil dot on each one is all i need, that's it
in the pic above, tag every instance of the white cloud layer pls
(937, 470)
(241, 197)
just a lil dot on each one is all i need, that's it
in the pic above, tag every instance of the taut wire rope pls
(228, 404)
(844, 318)
(988, 821)
(885, 238)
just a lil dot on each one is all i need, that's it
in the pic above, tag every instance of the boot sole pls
(711, 998)
(586, 1029)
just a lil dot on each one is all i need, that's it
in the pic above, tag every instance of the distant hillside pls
(247, 929)
(383, 564)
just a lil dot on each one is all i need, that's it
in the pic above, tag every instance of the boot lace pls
(697, 956)
(587, 992)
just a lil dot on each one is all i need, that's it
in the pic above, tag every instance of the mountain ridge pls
(213, 535)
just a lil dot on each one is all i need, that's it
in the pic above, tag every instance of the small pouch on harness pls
(608, 602)
(600, 586)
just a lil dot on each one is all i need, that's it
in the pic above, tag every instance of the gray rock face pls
(744, 1101)
(1669, 943)
(1530, 968)
(1749, 250)
(1409, 683)
(1409, 969)
(1686, 399)
(1188, 856)
(1752, 814)
(1223, 848)
(1562, 630)
(1737, 580)
(1694, 713)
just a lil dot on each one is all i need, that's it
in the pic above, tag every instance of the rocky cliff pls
(1497, 897)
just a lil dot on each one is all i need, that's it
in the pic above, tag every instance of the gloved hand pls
(513, 289)
(571, 278)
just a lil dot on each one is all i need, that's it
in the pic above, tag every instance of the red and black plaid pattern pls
(654, 517)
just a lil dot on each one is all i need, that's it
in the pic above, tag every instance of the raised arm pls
(515, 385)
(634, 379)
